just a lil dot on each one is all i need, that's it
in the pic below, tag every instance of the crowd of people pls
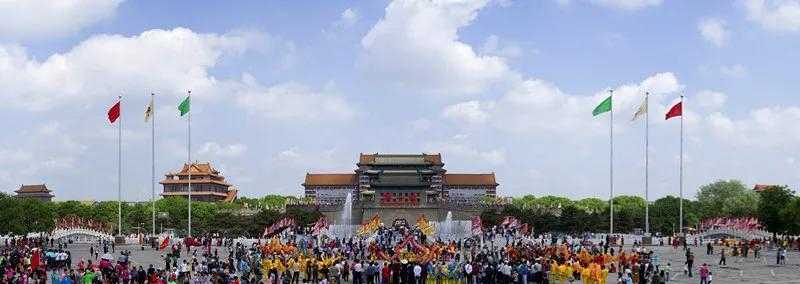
(388, 255)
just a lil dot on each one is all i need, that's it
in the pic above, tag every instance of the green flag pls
(603, 107)
(184, 106)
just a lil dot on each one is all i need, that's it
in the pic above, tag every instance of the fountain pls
(446, 230)
(344, 225)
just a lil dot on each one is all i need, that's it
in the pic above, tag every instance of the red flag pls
(477, 225)
(676, 110)
(164, 243)
(113, 112)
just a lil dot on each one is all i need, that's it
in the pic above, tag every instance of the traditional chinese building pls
(207, 184)
(35, 191)
(401, 186)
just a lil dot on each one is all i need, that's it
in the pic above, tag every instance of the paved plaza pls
(738, 270)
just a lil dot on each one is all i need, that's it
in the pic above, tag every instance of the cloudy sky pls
(285, 87)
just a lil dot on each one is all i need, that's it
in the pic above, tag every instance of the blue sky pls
(283, 88)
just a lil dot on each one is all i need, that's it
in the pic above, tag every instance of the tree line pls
(776, 207)
(244, 217)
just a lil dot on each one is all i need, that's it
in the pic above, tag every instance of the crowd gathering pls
(388, 255)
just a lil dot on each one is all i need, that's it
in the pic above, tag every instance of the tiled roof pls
(330, 179)
(367, 159)
(194, 193)
(470, 179)
(194, 181)
(197, 169)
(232, 194)
(32, 188)
(761, 187)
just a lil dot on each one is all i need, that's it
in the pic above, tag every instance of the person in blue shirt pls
(522, 271)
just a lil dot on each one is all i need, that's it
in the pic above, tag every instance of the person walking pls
(689, 262)
(722, 257)
(704, 272)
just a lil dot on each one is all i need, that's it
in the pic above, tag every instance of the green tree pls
(789, 215)
(592, 205)
(773, 200)
(628, 213)
(664, 214)
(550, 201)
(727, 199)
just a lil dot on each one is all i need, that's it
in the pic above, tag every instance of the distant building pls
(762, 187)
(36, 191)
(206, 182)
(402, 186)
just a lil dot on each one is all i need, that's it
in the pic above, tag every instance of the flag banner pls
(641, 111)
(510, 222)
(525, 229)
(742, 224)
(279, 226)
(164, 243)
(506, 221)
(185, 105)
(477, 225)
(370, 226)
(320, 225)
(148, 110)
(425, 226)
(603, 107)
(114, 112)
(676, 110)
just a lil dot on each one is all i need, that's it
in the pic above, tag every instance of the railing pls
(69, 232)
(742, 234)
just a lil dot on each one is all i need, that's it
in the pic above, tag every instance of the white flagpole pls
(153, 159)
(119, 171)
(611, 161)
(680, 222)
(190, 161)
(647, 163)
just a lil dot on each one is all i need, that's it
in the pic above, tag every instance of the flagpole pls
(647, 164)
(119, 171)
(680, 222)
(189, 144)
(153, 159)
(611, 161)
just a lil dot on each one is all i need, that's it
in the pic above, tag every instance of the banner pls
(477, 225)
(278, 226)
(320, 225)
(425, 226)
(370, 226)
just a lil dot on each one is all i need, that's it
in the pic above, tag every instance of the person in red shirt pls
(386, 273)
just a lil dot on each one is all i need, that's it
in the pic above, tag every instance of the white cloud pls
(288, 155)
(416, 47)
(563, 3)
(165, 61)
(161, 61)
(736, 70)
(36, 19)
(461, 150)
(628, 5)
(774, 15)
(711, 100)
(492, 46)
(714, 31)
(349, 17)
(534, 105)
(292, 101)
(771, 127)
(469, 112)
(214, 150)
